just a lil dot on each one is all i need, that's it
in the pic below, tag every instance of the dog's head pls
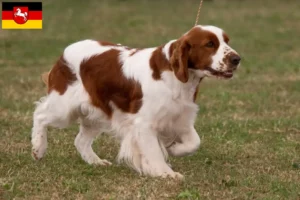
(204, 50)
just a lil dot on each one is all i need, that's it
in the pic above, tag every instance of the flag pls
(22, 15)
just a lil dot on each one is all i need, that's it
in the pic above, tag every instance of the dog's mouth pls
(226, 74)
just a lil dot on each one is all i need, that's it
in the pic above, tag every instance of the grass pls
(249, 126)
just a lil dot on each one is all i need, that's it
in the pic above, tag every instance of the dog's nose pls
(235, 59)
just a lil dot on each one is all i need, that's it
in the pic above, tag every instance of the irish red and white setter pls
(145, 97)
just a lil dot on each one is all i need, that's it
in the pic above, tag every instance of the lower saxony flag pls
(22, 15)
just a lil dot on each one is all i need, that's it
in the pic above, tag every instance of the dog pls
(144, 97)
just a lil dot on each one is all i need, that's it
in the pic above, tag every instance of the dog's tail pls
(45, 78)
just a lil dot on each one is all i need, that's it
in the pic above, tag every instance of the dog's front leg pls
(187, 142)
(141, 149)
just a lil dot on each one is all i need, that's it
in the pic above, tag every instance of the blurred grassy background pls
(249, 126)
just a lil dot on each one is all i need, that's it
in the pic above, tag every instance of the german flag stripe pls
(32, 6)
(30, 24)
(32, 15)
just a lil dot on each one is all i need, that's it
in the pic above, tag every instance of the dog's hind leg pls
(90, 127)
(48, 113)
(83, 143)
(39, 131)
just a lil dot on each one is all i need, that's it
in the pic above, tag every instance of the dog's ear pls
(179, 60)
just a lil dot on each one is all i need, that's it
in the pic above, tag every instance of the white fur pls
(164, 124)
(167, 48)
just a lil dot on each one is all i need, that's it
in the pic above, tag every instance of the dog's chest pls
(174, 105)
(173, 111)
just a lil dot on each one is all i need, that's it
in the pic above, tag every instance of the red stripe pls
(32, 15)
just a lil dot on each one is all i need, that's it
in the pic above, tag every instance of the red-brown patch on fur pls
(200, 56)
(180, 60)
(60, 77)
(159, 63)
(191, 51)
(103, 79)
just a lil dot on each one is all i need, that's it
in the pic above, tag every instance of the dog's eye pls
(210, 44)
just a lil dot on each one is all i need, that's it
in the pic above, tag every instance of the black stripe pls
(9, 6)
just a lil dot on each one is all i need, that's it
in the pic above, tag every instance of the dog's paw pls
(99, 162)
(37, 154)
(103, 162)
(174, 175)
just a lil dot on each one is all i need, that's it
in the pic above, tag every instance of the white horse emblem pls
(20, 14)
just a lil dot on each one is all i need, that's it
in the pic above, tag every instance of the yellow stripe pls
(30, 24)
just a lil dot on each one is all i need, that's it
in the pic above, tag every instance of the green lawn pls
(249, 126)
